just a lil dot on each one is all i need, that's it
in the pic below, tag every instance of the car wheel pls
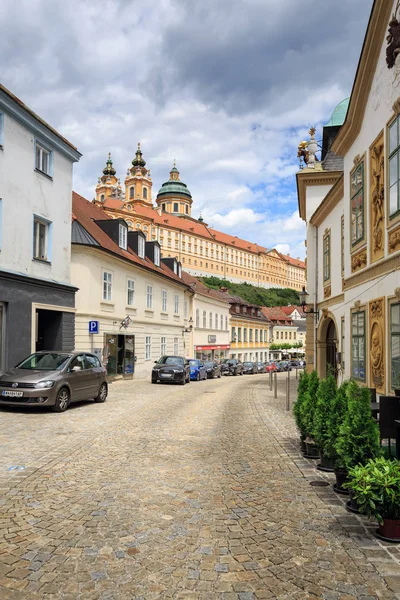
(219, 376)
(102, 395)
(198, 377)
(62, 400)
(153, 380)
(183, 380)
(188, 379)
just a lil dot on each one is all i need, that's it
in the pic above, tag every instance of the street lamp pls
(303, 301)
(188, 329)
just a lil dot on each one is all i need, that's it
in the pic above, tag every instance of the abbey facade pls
(202, 250)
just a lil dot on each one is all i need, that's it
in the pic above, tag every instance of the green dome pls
(172, 187)
(339, 114)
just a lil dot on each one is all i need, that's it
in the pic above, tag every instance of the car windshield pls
(228, 361)
(208, 364)
(248, 364)
(50, 361)
(194, 363)
(171, 360)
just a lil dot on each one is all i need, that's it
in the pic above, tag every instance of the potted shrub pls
(325, 400)
(358, 439)
(307, 411)
(376, 489)
(297, 410)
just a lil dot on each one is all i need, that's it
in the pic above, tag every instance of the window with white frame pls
(395, 346)
(358, 369)
(148, 347)
(157, 256)
(394, 169)
(204, 319)
(210, 320)
(176, 304)
(149, 296)
(42, 159)
(197, 317)
(226, 322)
(141, 246)
(176, 346)
(256, 335)
(130, 292)
(123, 236)
(107, 286)
(41, 238)
(216, 321)
(222, 322)
(164, 298)
(163, 346)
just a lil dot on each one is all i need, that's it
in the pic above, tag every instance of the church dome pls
(339, 114)
(174, 186)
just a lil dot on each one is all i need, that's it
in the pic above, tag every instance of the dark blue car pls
(197, 370)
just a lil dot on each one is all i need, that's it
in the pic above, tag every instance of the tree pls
(307, 408)
(326, 395)
(301, 393)
(336, 417)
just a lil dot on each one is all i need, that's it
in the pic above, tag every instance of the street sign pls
(93, 327)
(212, 339)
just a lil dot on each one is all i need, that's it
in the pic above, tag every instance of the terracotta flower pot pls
(390, 529)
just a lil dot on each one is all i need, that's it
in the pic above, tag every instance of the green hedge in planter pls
(307, 408)
(301, 393)
(336, 417)
(358, 438)
(325, 399)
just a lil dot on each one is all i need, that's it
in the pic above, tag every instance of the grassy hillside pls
(253, 294)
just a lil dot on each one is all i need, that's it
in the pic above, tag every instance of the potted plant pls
(307, 411)
(358, 439)
(297, 410)
(326, 397)
(376, 489)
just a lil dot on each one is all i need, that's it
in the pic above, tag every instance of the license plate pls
(12, 394)
(165, 375)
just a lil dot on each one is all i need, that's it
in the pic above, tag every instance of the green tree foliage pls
(301, 393)
(286, 346)
(336, 417)
(358, 438)
(253, 294)
(307, 409)
(326, 395)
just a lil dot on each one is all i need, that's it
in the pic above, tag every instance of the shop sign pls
(222, 347)
(212, 339)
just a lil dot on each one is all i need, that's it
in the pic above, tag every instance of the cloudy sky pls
(227, 87)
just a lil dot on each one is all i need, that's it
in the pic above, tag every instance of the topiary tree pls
(358, 438)
(307, 409)
(326, 395)
(335, 420)
(301, 392)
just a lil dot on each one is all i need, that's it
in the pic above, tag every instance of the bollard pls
(275, 386)
(270, 381)
(288, 393)
(297, 373)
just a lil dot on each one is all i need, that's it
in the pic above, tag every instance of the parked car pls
(54, 379)
(261, 368)
(249, 368)
(175, 369)
(197, 370)
(295, 364)
(271, 366)
(231, 366)
(213, 369)
(285, 365)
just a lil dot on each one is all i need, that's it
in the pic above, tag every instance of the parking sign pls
(93, 327)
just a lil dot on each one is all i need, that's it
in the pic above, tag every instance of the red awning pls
(223, 347)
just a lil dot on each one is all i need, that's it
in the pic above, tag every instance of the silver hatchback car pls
(54, 379)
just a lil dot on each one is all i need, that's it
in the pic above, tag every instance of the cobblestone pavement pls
(177, 492)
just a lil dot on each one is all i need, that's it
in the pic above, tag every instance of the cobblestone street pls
(178, 492)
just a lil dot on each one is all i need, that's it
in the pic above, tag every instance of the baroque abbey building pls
(202, 250)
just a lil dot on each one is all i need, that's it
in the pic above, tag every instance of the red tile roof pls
(288, 310)
(275, 313)
(86, 213)
(294, 261)
(235, 241)
(202, 289)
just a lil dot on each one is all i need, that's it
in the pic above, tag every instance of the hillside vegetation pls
(254, 294)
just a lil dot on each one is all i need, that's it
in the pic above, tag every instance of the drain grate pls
(319, 483)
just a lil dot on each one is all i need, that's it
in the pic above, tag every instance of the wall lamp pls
(304, 301)
(188, 329)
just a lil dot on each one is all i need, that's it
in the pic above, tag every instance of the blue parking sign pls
(93, 327)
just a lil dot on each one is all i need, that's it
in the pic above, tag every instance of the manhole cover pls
(319, 483)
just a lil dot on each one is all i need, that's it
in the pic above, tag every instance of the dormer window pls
(123, 234)
(141, 246)
(179, 270)
(132, 192)
(157, 256)
(244, 310)
(175, 267)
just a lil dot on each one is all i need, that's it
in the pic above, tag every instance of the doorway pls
(119, 354)
(48, 330)
(331, 349)
(326, 347)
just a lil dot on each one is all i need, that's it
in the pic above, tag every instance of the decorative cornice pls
(374, 37)
(331, 301)
(312, 178)
(374, 271)
(332, 198)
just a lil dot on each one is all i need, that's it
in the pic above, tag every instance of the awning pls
(222, 347)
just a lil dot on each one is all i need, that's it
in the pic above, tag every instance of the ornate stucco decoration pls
(357, 159)
(377, 343)
(357, 304)
(393, 39)
(397, 293)
(327, 291)
(359, 260)
(325, 313)
(302, 154)
(396, 107)
(377, 198)
(394, 239)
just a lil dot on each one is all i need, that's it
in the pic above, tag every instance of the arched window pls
(145, 193)
(102, 198)
(132, 192)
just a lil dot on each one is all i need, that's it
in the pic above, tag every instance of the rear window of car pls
(194, 363)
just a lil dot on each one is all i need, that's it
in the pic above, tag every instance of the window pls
(141, 246)
(1, 130)
(148, 347)
(107, 286)
(286, 335)
(342, 347)
(123, 232)
(216, 321)
(394, 168)
(327, 256)
(176, 207)
(164, 207)
(395, 346)
(210, 320)
(358, 345)
(197, 317)
(256, 335)
(149, 296)
(250, 335)
(222, 322)
(226, 322)
(132, 192)
(163, 346)
(245, 334)
(342, 244)
(145, 193)
(290, 335)
(41, 238)
(164, 301)
(157, 256)
(42, 159)
(357, 204)
(187, 209)
(176, 304)
(294, 335)
(176, 346)
(239, 334)
(233, 334)
(265, 335)
(131, 292)
(204, 319)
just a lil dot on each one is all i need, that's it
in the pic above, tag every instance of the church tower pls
(138, 182)
(108, 186)
(174, 196)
